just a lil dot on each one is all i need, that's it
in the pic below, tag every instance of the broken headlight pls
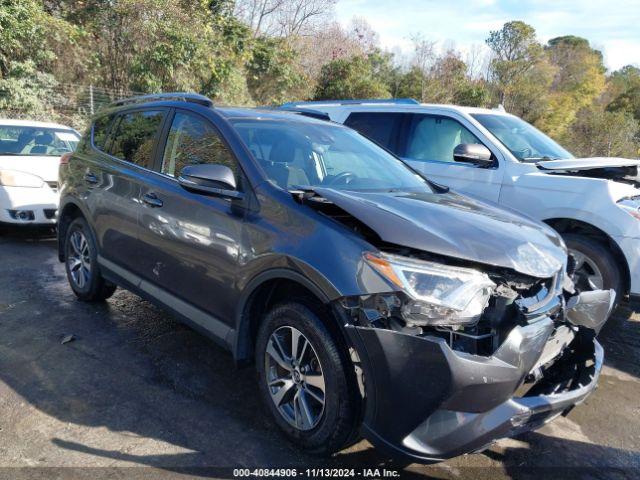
(439, 294)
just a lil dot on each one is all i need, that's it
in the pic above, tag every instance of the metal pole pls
(91, 99)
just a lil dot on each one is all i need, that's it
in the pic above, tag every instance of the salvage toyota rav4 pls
(370, 300)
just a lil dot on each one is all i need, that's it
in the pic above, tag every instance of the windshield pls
(300, 154)
(35, 141)
(527, 143)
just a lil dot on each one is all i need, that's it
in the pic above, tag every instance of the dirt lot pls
(137, 389)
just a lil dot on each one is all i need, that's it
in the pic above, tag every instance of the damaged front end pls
(442, 378)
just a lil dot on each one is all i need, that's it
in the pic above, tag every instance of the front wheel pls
(596, 267)
(81, 264)
(304, 379)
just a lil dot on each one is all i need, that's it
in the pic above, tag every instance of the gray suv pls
(371, 301)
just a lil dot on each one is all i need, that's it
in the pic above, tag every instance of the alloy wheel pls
(294, 378)
(587, 274)
(79, 259)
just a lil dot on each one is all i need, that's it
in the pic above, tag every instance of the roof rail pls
(306, 112)
(157, 97)
(370, 101)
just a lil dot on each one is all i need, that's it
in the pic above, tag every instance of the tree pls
(29, 39)
(624, 91)
(356, 77)
(596, 132)
(579, 79)
(518, 70)
(273, 73)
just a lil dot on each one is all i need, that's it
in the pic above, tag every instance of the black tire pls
(602, 257)
(337, 424)
(95, 288)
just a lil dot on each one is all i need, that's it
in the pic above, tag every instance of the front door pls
(190, 242)
(428, 144)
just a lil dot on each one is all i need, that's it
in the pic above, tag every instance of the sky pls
(612, 26)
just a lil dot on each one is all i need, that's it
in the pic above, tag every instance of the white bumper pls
(40, 205)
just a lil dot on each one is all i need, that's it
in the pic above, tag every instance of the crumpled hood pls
(455, 226)
(576, 164)
(44, 167)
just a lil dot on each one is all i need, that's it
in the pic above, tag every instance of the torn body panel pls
(429, 397)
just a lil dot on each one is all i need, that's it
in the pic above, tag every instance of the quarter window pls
(433, 138)
(135, 137)
(100, 131)
(193, 141)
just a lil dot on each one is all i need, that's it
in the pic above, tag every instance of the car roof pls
(32, 123)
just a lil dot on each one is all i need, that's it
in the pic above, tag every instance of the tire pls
(601, 257)
(81, 265)
(335, 425)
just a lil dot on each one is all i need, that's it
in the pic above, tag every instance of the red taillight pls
(64, 158)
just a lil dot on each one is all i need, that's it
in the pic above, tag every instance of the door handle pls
(90, 178)
(152, 200)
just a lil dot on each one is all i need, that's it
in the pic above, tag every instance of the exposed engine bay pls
(618, 169)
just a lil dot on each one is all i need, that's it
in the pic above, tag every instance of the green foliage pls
(596, 132)
(274, 74)
(579, 78)
(624, 88)
(355, 77)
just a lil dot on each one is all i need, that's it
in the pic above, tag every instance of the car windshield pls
(36, 141)
(306, 154)
(527, 143)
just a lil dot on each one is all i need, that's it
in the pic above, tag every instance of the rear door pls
(126, 143)
(190, 243)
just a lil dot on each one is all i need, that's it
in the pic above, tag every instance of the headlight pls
(13, 178)
(440, 294)
(631, 205)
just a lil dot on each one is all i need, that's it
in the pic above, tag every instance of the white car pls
(492, 155)
(29, 159)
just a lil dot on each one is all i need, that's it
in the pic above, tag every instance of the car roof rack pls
(307, 112)
(157, 97)
(369, 101)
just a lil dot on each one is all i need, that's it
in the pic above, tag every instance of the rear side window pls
(381, 127)
(100, 131)
(135, 136)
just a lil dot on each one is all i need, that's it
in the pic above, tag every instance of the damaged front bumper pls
(429, 402)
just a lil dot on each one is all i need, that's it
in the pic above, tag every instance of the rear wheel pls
(304, 379)
(596, 267)
(81, 264)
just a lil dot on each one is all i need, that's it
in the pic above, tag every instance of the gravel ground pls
(136, 394)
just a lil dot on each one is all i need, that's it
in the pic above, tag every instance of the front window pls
(526, 143)
(297, 154)
(36, 142)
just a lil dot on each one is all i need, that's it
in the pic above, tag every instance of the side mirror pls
(212, 179)
(473, 153)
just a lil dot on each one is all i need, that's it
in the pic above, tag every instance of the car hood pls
(44, 167)
(452, 225)
(578, 164)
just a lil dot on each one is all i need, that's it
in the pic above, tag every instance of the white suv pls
(594, 202)
(29, 159)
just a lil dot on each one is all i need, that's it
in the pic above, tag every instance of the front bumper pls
(631, 250)
(28, 206)
(428, 402)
